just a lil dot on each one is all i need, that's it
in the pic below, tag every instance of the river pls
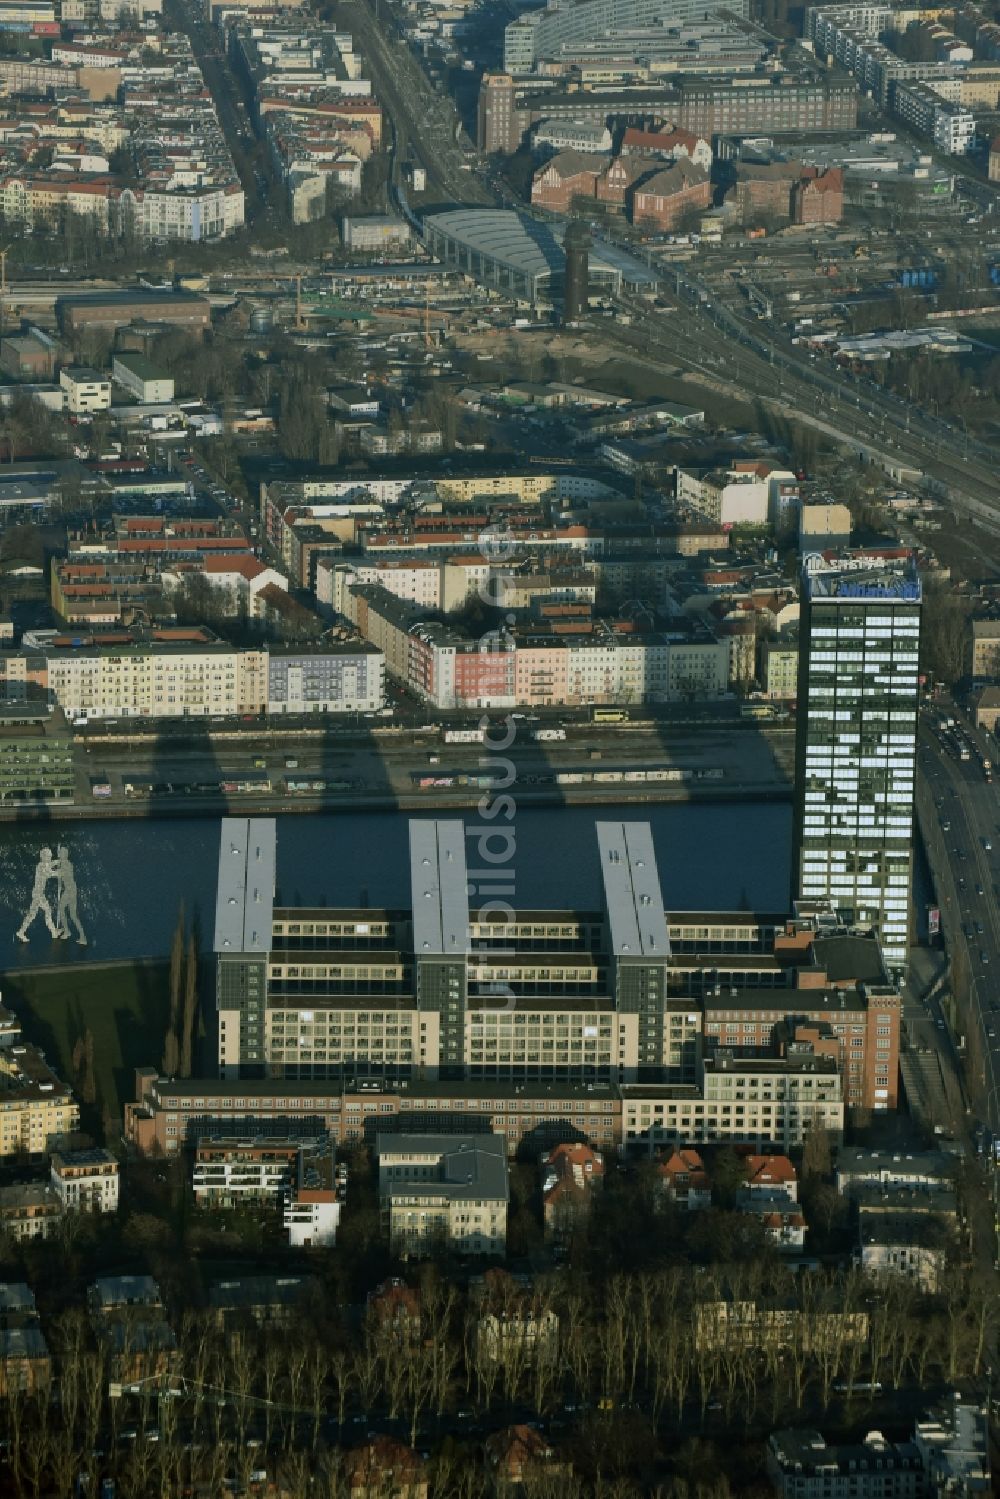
(132, 875)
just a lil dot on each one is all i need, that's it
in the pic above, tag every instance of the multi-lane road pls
(961, 826)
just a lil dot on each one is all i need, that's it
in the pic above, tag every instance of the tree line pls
(635, 1359)
(182, 1023)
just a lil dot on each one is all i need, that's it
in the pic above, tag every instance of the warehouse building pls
(142, 379)
(115, 309)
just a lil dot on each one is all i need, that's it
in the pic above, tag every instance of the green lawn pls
(124, 1007)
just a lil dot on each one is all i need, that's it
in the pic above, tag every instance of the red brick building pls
(789, 190)
(616, 180)
(568, 176)
(667, 145)
(658, 201)
(818, 196)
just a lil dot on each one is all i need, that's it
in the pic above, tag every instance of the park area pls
(125, 1009)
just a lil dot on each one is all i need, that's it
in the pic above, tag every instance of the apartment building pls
(444, 1190)
(926, 96)
(802, 1465)
(30, 1210)
(313, 1203)
(25, 1364)
(86, 1181)
(271, 1301)
(570, 1175)
(176, 672)
(532, 664)
(858, 1169)
(985, 648)
(734, 1324)
(682, 1179)
(172, 673)
(339, 678)
(36, 1109)
(232, 1171)
(126, 1313)
(513, 1324)
(779, 669)
(953, 1439)
(915, 1246)
(951, 126)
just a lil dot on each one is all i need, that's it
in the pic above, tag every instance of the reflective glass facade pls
(857, 746)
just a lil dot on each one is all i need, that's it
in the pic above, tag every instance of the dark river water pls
(131, 875)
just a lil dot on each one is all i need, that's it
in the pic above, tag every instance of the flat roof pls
(439, 887)
(470, 1165)
(245, 891)
(634, 901)
(141, 366)
(874, 581)
(131, 296)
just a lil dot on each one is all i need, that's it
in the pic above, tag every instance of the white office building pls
(857, 739)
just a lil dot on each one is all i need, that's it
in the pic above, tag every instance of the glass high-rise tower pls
(857, 742)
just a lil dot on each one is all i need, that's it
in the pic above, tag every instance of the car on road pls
(980, 890)
(979, 928)
(984, 957)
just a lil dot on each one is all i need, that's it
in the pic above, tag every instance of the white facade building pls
(86, 1181)
(85, 390)
(744, 1100)
(136, 374)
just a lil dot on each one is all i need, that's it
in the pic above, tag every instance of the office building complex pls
(706, 106)
(442, 991)
(439, 1001)
(36, 754)
(543, 34)
(857, 736)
